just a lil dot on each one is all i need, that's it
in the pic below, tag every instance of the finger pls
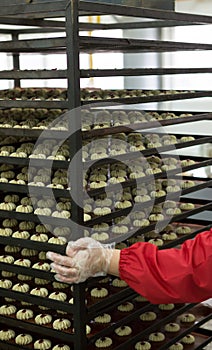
(59, 259)
(62, 270)
(73, 247)
(64, 279)
(71, 250)
(80, 244)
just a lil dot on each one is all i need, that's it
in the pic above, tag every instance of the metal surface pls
(133, 25)
(16, 61)
(75, 139)
(142, 12)
(85, 73)
(97, 44)
(20, 12)
(162, 4)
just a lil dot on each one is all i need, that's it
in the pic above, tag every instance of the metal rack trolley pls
(39, 17)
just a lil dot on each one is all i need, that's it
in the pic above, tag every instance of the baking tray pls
(144, 125)
(63, 135)
(156, 325)
(151, 151)
(164, 174)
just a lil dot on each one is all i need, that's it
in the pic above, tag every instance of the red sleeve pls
(170, 275)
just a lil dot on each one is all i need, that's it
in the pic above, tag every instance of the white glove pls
(207, 303)
(84, 258)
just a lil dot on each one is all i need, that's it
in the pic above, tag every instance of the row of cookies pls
(42, 118)
(86, 94)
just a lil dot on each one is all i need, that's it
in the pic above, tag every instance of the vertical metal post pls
(16, 61)
(76, 168)
(80, 317)
(74, 102)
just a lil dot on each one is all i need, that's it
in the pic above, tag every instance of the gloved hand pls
(84, 258)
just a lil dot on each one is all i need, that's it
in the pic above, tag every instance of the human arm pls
(162, 276)
(170, 275)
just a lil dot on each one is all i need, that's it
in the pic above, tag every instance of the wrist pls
(113, 266)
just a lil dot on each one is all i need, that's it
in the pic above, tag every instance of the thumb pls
(81, 244)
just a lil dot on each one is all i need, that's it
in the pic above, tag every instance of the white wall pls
(58, 61)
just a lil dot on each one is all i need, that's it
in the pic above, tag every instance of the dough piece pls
(107, 202)
(173, 211)
(142, 199)
(176, 346)
(58, 296)
(104, 342)
(6, 232)
(24, 208)
(11, 249)
(186, 318)
(166, 307)
(187, 206)
(43, 319)
(188, 339)
(39, 237)
(65, 214)
(7, 334)
(157, 209)
(153, 170)
(61, 324)
(43, 211)
(41, 292)
(14, 198)
(167, 167)
(116, 180)
(23, 262)
(187, 138)
(57, 240)
(104, 318)
(169, 236)
(183, 230)
(141, 223)
(24, 314)
(156, 217)
(41, 266)
(9, 259)
(187, 184)
(123, 204)
(102, 211)
(157, 337)
(42, 344)
(61, 347)
(21, 287)
(117, 282)
(123, 331)
(7, 206)
(125, 307)
(25, 252)
(187, 162)
(143, 345)
(156, 241)
(98, 184)
(148, 316)
(158, 193)
(120, 229)
(26, 225)
(59, 285)
(21, 234)
(7, 310)
(99, 292)
(169, 205)
(172, 327)
(100, 236)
